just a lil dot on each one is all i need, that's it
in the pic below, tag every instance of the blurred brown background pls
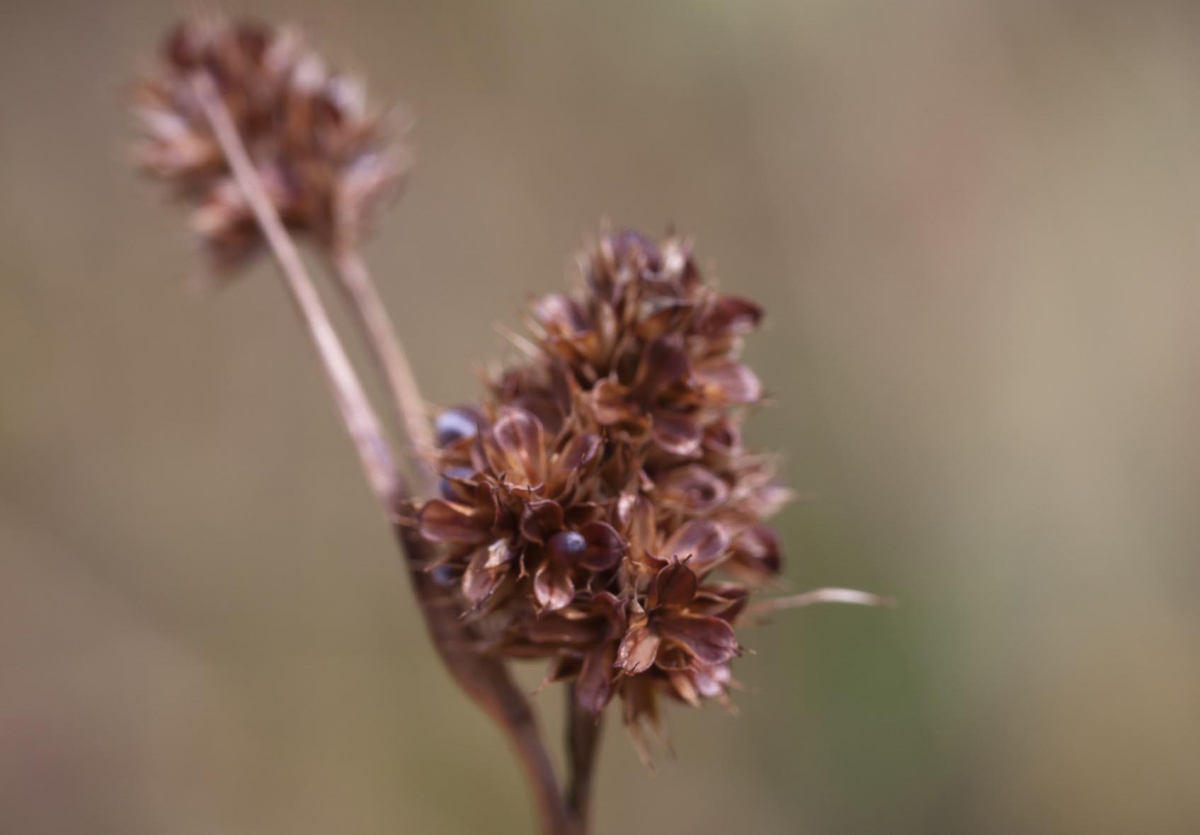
(974, 225)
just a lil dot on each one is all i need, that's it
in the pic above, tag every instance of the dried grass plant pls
(597, 507)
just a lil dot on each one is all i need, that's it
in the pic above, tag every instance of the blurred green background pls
(974, 227)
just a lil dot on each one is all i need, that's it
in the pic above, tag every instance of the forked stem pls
(353, 405)
(354, 279)
(485, 680)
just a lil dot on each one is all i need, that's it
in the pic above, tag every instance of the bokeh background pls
(974, 226)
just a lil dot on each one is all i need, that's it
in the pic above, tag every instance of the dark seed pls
(443, 575)
(453, 425)
(449, 485)
(566, 547)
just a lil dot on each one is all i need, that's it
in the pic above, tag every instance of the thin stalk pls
(815, 596)
(353, 405)
(485, 680)
(583, 747)
(354, 279)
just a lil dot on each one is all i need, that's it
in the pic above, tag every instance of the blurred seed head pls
(321, 150)
(597, 506)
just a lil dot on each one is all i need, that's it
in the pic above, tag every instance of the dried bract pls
(598, 507)
(319, 148)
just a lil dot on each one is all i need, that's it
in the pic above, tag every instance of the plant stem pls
(485, 680)
(583, 746)
(356, 411)
(355, 281)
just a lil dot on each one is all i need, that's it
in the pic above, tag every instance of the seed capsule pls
(454, 425)
(566, 547)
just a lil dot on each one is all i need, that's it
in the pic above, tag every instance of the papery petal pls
(517, 446)
(727, 381)
(636, 516)
(479, 583)
(677, 432)
(665, 362)
(528, 389)
(730, 316)
(771, 498)
(573, 462)
(641, 711)
(578, 514)
(368, 182)
(559, 315)
(500, 553)
(701, 542)
(637, 650)
(694, 487)
(675, 586)
(580, 451)
(611, 403)
(605, 547)
(673, 657)
(629, 246)
(724, 437)
(553, 587)
(709, 640)
(593, 688)
(681, 681)
(658, 316)
(443, 521)
(758, 552)
(711, 682)
(677, 262)
(540, 519)
(609, 607)
(720, 600)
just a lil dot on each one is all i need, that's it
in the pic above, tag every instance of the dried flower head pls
(598, 507)
(319, 148)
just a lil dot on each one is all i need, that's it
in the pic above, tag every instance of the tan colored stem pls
(388, 352)
(583, 747)
(485, 680)
(360, 419)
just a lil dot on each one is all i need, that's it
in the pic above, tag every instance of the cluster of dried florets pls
(599, 508)
(319, 149)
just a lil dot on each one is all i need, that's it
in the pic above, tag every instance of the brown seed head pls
(320, 149)
(598, 507)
